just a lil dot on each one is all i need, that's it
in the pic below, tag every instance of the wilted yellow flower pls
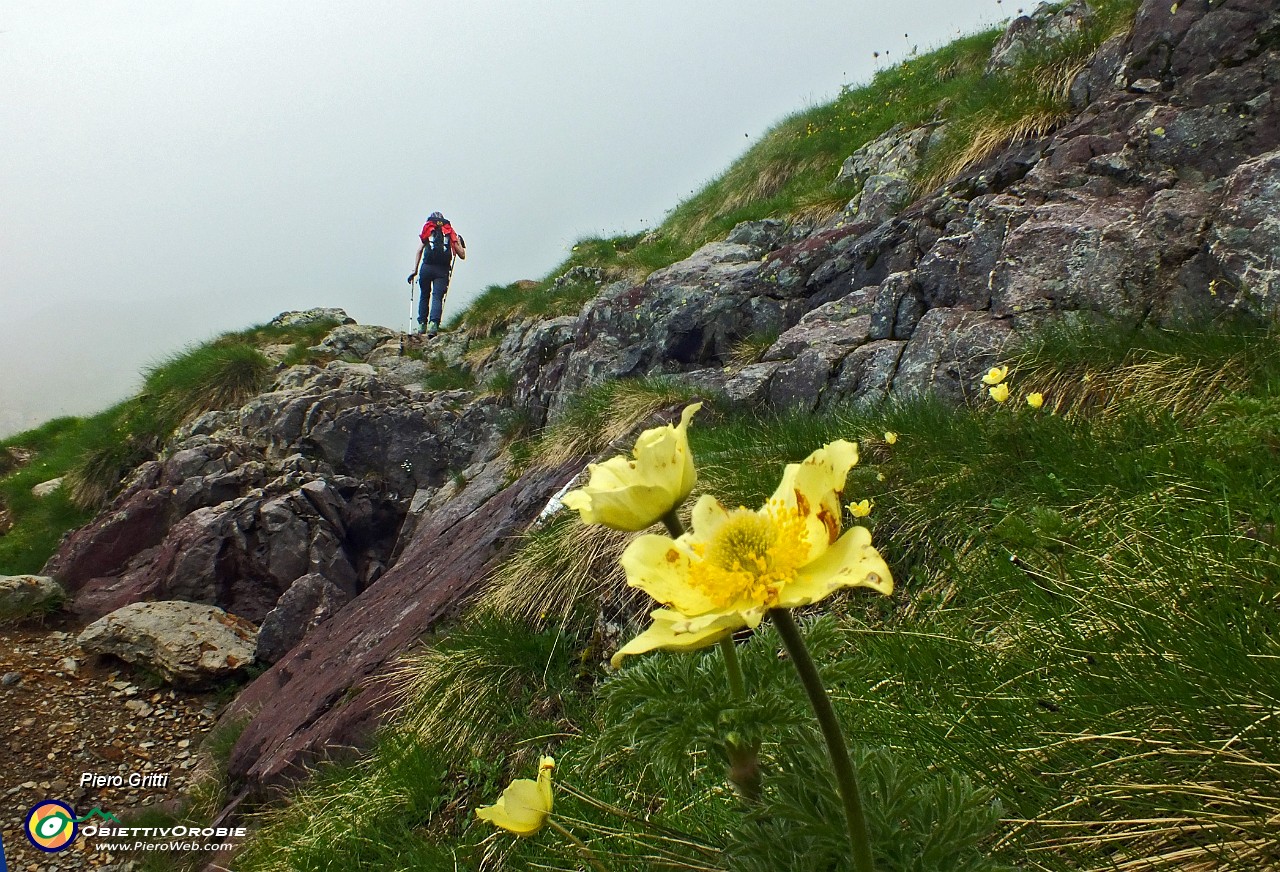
(525, 805)
(631, 494)
(1035, 400)
(999, 393)
(995, 375)
(861, 509)
(736, 564)
(890, 437)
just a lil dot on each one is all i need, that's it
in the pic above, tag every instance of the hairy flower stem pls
(846, 778)
(744, 756)
(586, 852)
(731, 665)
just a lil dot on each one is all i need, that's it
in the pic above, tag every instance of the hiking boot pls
(422, 328)
(432, 329)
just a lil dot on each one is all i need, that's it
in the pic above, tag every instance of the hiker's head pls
(435, 216)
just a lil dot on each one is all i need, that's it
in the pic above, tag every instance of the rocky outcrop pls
(331, 689)
(1156, 203)
(314, 476)
(184, 643)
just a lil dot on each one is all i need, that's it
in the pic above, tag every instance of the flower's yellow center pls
(751, 557)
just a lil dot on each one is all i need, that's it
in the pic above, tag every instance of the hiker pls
(432, 266)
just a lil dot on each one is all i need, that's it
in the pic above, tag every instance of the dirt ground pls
(65, 715)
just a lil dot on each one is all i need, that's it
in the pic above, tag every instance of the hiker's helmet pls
(435, 216)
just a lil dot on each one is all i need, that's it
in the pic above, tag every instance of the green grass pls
(789, 173)
(1077, 669)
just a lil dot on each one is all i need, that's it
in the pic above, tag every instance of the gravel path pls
(64, 714)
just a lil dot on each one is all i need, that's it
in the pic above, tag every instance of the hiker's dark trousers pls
(434, 282)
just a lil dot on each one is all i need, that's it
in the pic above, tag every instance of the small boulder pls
(307, 317)
(26, 596)
(47, 488)
(309, 602)
(185, 643)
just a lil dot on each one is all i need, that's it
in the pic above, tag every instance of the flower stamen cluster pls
(751, 557)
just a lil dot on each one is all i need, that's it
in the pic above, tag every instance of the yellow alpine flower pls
(861, 508)
(633, 493)
(735, 564)
(995, 375)
(525, 805)
(999, 393)
(890, 437)
(1035, 400)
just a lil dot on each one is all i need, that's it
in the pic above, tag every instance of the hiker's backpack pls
(439, 247)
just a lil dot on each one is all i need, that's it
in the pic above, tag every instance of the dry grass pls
(556, 569)
(985, 139)
(1164, 383)
(605, 415)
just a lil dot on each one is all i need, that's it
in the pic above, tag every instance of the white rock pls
(46, 488)
(186, 643)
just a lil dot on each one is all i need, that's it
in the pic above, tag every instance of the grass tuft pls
(605, 413)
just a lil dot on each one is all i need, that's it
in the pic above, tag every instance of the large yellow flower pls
(634, 493)
(525, 805)
(736, 564)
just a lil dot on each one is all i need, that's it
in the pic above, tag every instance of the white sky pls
(170, 171)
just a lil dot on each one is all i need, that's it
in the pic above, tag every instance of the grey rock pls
(1028, 33)
(765, 235)
(185, 643)
(9, 679)
(358, 340)
(307, 317)
(883, 170)
(1245, 240)
(309, 602)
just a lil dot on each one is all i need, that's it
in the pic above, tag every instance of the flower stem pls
(586, 852)
(672, 521)
(846, 778)
(731, 665)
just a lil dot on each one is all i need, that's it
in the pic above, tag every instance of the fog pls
(172, 173)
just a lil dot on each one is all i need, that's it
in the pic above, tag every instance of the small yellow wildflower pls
(890, 437)
(525, 805)
(995, 375)
(1035, 400)
(999, 393)
(861, 509)
(736, 564)
(632, 494)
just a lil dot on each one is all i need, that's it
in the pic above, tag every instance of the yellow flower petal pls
(634, 493)
(813, 489)
(861, 509)
(851, 562)
(659, 566)
(995, 375)
(525, 805)
(1035, 400)
(999, 393)
(670, 631)
(707, 517)
(890, 437)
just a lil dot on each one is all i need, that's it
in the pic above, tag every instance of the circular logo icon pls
(51, 825)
